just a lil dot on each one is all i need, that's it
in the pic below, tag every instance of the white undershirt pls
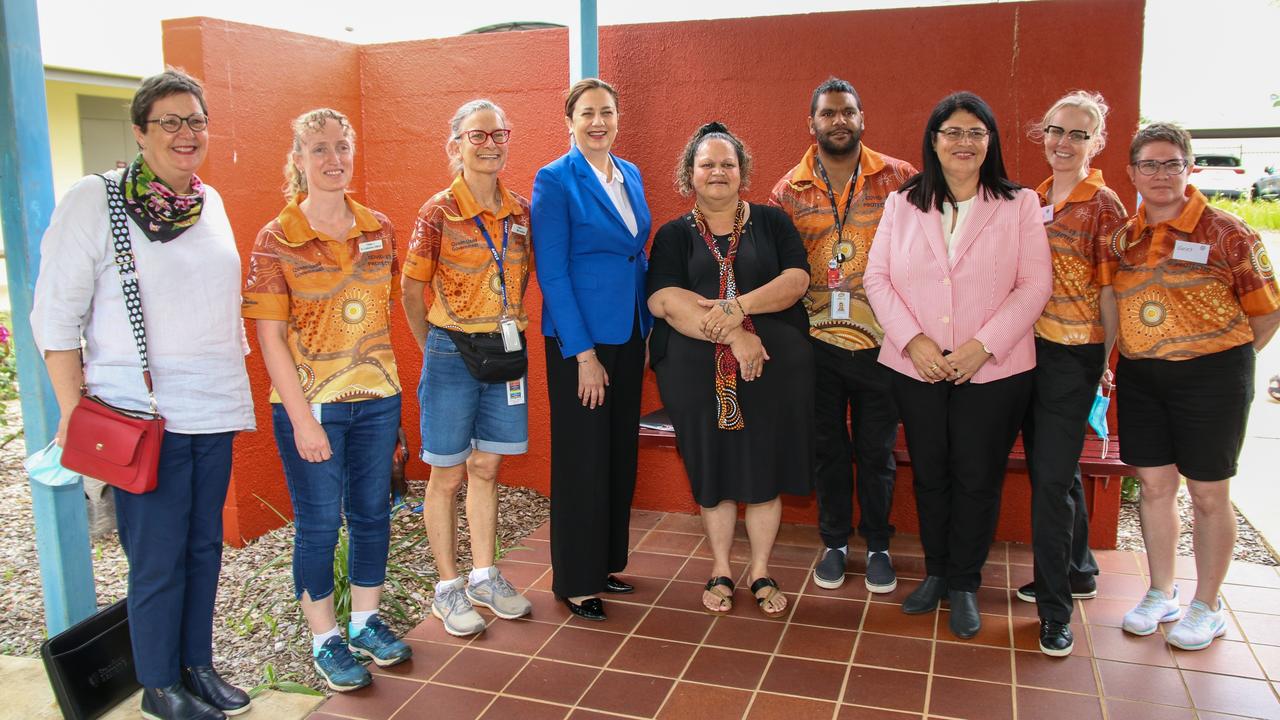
(960, 211)
(618, 194)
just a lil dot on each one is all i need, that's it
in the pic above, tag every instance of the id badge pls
(1191, 252)
(1046, 214)
(515, 392)
(510, 335)
(839, 305)
(833, 274)
(316, 409)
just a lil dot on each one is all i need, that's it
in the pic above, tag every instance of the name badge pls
(370, 246)
(1046, 214)
(519, 229)
(510, 335)
(839, 305)
(515, 392)
(1191, 252)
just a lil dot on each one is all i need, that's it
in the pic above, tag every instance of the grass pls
(1259, 214)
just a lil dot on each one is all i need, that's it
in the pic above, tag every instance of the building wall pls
(754, 74)
(64, 127)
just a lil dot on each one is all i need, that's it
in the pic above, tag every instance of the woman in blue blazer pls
(591, 225)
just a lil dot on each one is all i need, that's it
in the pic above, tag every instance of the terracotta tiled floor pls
(840, 654)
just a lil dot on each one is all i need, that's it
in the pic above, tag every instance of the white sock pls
(453, 584)
(359, 618)
(873, 552)
(318, 641)
(844, 550)
(478, 575)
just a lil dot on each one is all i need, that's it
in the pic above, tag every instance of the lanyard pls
(839, 217)
(499, 259)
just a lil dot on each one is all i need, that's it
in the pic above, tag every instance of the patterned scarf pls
(161, 213)
(729, 415)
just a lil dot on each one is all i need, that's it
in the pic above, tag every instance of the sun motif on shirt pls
(1261, 261)
(1152, 313)
(354, 305)
(306, 377)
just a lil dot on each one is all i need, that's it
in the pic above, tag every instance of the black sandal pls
(767, 582)
(726, 599)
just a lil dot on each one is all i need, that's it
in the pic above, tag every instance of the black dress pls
(773, 453)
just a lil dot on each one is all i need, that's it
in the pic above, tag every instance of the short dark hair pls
(583, 86)
(833, 84)
(1171, 133)
(711, 131)
(928, 189)
(170, 82)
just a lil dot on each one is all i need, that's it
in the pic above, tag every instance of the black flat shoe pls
(203, 682)
(176, 703)
(1055, 638)
(925, 598)
(589, 609)
(618, 587)
(965, 620)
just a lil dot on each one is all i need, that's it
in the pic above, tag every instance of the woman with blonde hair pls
(472, 392)
(320, 286)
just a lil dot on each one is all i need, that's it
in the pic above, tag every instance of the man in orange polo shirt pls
(1198, 299)
(835, 196)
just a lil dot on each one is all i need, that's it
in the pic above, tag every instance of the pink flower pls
(4, 335)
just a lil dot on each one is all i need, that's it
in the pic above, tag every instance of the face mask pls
(1098, 417)
(45, 467)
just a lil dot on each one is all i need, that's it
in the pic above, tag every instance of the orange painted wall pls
(755, 74)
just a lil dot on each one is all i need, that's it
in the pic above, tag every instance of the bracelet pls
(740, 308)
(584, 362)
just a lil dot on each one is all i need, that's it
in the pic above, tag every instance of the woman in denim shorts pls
(471, 245)
(320, 288)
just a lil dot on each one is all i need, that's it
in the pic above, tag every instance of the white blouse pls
(190, 290)
(618, 194)
(959, 212)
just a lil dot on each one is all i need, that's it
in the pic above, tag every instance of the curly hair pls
(711, 131)
(295, 181)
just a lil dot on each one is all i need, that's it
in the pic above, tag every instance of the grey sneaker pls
(880, 575)
(830, 571)
(455, 611)
(497, 594)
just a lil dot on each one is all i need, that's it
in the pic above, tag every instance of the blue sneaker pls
(379, 644)
(338, 666)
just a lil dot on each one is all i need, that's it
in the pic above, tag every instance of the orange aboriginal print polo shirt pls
(449, 252)
(1174, 309)
(1079, 238)
(335, 296)
(802, 194)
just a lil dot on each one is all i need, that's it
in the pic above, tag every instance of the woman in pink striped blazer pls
(958, 273)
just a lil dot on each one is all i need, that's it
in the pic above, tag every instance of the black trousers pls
(852, 388)
(593, 466)
(959, 437)
(1064, 385)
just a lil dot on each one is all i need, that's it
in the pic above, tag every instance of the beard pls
(837, 148)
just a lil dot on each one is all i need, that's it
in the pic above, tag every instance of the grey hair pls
(469, 108)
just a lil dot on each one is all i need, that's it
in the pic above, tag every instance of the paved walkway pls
(839, 654)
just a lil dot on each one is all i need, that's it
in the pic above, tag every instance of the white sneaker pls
(1198, 627)
(1154, 609)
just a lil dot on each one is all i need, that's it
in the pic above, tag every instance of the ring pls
(933, 366)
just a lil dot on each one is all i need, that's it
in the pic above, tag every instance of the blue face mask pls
(45, 467)
(1098, 417)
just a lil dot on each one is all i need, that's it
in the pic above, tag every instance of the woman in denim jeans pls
(471, 244)
(320, 286)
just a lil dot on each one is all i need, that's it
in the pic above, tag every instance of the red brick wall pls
(754, 74)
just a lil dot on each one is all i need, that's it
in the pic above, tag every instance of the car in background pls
(1220, 175)
(1267, 187)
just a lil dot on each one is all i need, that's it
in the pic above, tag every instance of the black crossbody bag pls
(486, 359)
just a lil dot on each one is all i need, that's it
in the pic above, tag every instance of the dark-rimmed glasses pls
(954, 134)
(171, 123)
(1079, 137)
(1151, 167)
(478, 137)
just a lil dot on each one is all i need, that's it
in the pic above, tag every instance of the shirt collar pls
(1186, 220)
(1083, 191)
(870, 162)
(468, 207)
(298, 231)
(617, 174)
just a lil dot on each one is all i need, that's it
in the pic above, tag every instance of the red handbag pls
(117, 446)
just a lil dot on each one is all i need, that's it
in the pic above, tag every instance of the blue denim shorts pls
(460, 413)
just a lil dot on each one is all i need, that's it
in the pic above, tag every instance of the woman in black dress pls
(725, 282)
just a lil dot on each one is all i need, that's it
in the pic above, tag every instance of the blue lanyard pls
(499, 259)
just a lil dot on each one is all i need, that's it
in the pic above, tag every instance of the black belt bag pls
(486, 359)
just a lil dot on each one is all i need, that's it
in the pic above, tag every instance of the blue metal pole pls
(584, 52)
(26, 194)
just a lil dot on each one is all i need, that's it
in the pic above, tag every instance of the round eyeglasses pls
(1151, 167)
(170, 123)
(478, 137)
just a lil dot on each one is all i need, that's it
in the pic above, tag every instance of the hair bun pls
(715, 126)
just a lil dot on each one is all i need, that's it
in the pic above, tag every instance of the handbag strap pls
(128, 278)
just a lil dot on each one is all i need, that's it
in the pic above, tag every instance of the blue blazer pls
(590, 267)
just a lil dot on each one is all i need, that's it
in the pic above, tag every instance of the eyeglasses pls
(954, 134)
(171, 123)
(478, 137)
(1079, 137)
(1151, 167)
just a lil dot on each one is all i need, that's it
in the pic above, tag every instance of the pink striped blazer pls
(993, 290)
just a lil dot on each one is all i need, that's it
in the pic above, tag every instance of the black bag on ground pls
(486, 359)
(90, 664)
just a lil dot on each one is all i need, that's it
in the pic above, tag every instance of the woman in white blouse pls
(188, 273)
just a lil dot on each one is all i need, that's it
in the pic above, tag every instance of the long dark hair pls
(928, 190)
